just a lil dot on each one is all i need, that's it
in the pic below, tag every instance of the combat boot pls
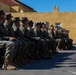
(8, 65)
(11, 67)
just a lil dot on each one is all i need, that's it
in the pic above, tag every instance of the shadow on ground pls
(74, 47)
(49, 63)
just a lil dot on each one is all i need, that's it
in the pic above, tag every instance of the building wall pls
(67, 19)
(6, 8)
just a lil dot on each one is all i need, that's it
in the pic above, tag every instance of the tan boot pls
(11, 67)
(6, 66)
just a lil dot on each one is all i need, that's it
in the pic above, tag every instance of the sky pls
(48, 5)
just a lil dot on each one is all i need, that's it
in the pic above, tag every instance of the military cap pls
(1, 12)
(30, 22)
(24, 19)
(16, 19)
(52, 26)
(37, 24)
(42, 22)
(8, 16)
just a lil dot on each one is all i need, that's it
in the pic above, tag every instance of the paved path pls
(63, 63)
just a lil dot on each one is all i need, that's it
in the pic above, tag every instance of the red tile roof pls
(9, 2)
(15, 2)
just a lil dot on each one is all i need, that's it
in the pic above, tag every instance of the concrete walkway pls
(63, 63)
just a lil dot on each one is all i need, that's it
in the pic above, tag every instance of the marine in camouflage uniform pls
(31, 35)
(25, 33)
(51, 43)
(24, 50)
(68, 41)
(38, 33)
(6, 42)
(55, 33)
(8, 25)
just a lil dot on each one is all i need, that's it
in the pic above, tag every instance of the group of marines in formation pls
(22, 43)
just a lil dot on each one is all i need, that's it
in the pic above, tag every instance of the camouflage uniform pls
(11, 33)
(7, 44)
(38, 33)
(68, 41)
(25, 31)
(24, 50)
(50, 42)
(57, 36)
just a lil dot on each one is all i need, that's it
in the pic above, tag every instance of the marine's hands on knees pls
(12, 38)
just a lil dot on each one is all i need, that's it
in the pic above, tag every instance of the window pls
(58, 24)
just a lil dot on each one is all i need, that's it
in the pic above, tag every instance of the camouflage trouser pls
(35, 45)
(31, 47)
(60, 43)
(17, 50)
(68, 43)
(52, 45)
(19, 47)
(24, 49)
(10, 46)
(9, 52)
(16, 46)
(43, 48)
(40, 47)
